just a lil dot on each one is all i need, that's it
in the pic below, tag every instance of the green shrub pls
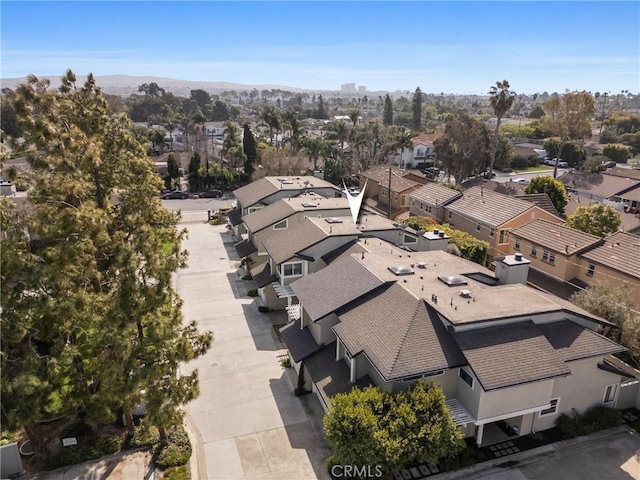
(285, 362)
(88, 448)
(145, 435)
(252, 293)
(176, 473)
(177, 452)
(570, 425)
(7, 437)
(594, 419)
(617, 153)
(519, 162)
(217, 221)
(464, 458)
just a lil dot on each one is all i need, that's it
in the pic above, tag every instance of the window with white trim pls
(591, 270)
(553, 408)
(492, 232)
(477, 227)
(548, 257)
(281, 225)
(450, 214)
(253, 209)
(534, 250)
(517, 244)
(504, 236)
(292, 269)
(466, 378)
(609, 393)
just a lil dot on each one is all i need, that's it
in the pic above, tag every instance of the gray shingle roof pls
(262, 275)
(235, 216)
(489, 207)
(334, 286)
(620, 251)
(435, 194)
(285, 244)
(300, 343)
(254, 192)
(344, 251)
(573, 342)
(540, 199)
(398, 333)
(555, 237)
(507, 355)
(267, 216)
(244, 248)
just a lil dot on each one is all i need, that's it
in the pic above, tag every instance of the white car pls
(521, 181)
(552, 162)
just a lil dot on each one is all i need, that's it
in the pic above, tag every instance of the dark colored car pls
(177, 195)
(486, 176)
(609, 164)
(211, 194)
(431, 171)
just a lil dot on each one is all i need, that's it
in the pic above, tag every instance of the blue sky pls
(456, 47)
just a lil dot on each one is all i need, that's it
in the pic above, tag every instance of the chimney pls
(434, 240)
(512, 269)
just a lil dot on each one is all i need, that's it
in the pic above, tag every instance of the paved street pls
(249, 423)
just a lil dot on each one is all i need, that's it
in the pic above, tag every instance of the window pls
(421, 206)
(591, 269)
(281, 225)
(545, 256)
(552, 258)
(534, 251)
(450, 215)
(504, 235)
(517, 244)
(553, 408)
(492, 232)
(610, 393)
(253, 209)
(466, 378)
(410, 239)
(395, 196)
(292, 269)
(477, 227)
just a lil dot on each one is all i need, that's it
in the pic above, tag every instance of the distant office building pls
(362, 89)
(348, 88)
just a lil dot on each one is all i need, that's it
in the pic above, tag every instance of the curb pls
(545, 450)
(197, 462)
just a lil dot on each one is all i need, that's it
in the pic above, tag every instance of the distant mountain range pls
(126, 84)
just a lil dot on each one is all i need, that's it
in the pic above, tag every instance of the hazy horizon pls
(451, 47)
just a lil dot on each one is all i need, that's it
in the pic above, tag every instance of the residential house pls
(283, 215)
(401, 183)
(503, 353)
(553, 248)
(430, 200)
(599, 187)
(268, 190)
(296, 252)
(490, 216)
(421, 155)
(616, 262)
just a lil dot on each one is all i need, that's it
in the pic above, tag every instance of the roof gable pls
(555, 237)
(618, 252)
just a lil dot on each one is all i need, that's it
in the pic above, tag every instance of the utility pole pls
(389, 192)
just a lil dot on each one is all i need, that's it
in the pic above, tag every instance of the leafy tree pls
(504, 153)
(201, 98)
(624, 122)
(552, 187)
(613, 304)
(90, 319)
(231, 146)
(416, 108)
(172, 167)
(314, 148)
(501, 100)
(536, 112)
(371, 427)
(8, 123)
(387, 113)
(250, 150)
(572, 152)
(194, 171)
(220, 112)
(596, 219)
(632, 140)
(616, 153)
(151, 90)
(464, 148)
(569, 118)
(320, 112)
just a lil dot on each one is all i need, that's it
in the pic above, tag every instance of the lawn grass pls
(539, 168)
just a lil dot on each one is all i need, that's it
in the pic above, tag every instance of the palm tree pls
(354, 115)
(338, 131)
(501, 101)
(402, 139)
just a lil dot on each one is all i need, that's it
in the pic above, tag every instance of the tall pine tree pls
(250, 150)
(91, 324)
(387, 113)
(416, 107)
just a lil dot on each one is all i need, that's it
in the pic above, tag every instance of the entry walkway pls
(248, 422)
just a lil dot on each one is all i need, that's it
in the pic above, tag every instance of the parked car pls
(552, 162)
(431, 171)
(521, 181)
(211, 194)
(609, 164)
(177, 195)
(486, 176)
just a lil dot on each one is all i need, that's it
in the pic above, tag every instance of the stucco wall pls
(468, 397)
(564, 268)
(611, 277)
(514, 399)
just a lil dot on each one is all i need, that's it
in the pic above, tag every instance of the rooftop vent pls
(518, 257)
(287, 182)
(309, 205)
(465, 293)
(422, 265)
(283, 179)
(452, 280)
(333, 220)
(401, 270)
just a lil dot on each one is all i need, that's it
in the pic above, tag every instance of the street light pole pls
(389, 192)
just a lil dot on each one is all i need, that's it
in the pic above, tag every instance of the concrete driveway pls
(247, 419)
(613, 454)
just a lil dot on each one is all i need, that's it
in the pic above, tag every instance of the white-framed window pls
(450, 214)
(413, 378)
(281, 225)
(477, 227)
(492, 232)
(293, 269)
(552, 258)
(253, 209)
(610, 393)
(591, 269)
(409, 239)
(517, 244)
(466, 377)
(548, 257)
(534, 250)
(553, 408)
(504, 236)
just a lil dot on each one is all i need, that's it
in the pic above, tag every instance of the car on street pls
(552, 162)
(521, 181)
(431, 172)
(486, 175)
(211, 194)
(177, 195)
(609, 164)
